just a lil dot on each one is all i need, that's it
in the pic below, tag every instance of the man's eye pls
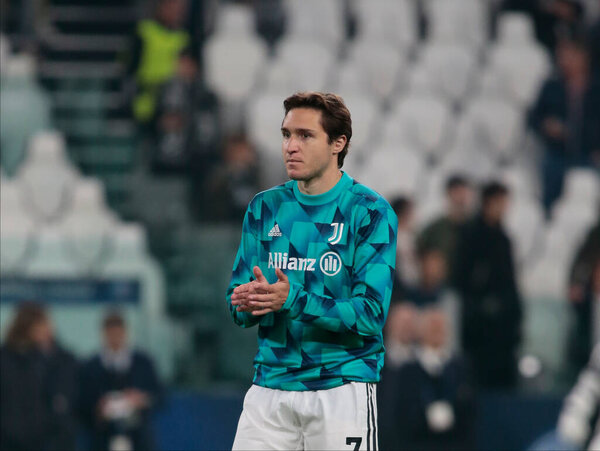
(306, 135)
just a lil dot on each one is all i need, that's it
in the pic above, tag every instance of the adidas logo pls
(275, 231)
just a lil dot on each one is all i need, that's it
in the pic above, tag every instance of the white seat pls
(460, 21)
(393, 22)
(264, 115)
(546, 279)
(47, 148)
(424, 122)
(523, 184)
(16, 242)
(495, 125)
(469, 161)
(88, 225)
(307, 61)
(46, 191)
(316, 19)
(582, 185)
(372, 67)
(452, 69)
(393, 171)
(129, 257)
(525, 224)
(50, 258)
(515, 29)
(575, 218)
(234, 57)
(521, 70)
(365, 118)
(234, 20)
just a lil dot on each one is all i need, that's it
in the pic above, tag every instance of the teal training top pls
(338, 250)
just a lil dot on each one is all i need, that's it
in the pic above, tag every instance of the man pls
(491, 305)
(428, 402)
(119, 388)
(314, 271)
(443, 232)
(566, 117)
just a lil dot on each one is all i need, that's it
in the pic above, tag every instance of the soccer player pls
(314, 271)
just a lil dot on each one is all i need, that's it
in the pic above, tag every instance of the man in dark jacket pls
(118, 391)
(491, 305)
(38, 386)
(428, 402)
(566, 117)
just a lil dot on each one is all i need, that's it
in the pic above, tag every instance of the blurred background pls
(134, 133)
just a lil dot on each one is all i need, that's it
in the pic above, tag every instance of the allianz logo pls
(330, 263)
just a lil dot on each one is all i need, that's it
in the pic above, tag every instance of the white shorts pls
(341, 418)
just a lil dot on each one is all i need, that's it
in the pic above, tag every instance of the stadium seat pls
(25, 108)
(496, 127)
(51, 259)
(452, 69)
(235, 57)
(47, 178)
(463, 22)
(393, 171)
(545, 279)
(366, 117)
(392, 22)
(467, 159)
(317, 20)
(234, 20)
(17, 242)
(521, 71)
(582, 185)
(515, 29)
(372, 67)
(524, 220)
(307, 61)
(522, 183)
(424, 122)
(575, 218)
(264, 114)
(88, 225)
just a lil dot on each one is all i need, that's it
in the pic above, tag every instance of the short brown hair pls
(335, 116)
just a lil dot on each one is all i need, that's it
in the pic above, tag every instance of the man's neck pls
(320, 184)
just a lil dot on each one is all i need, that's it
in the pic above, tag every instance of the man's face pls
(496, 208)
(307, 152)
(460, 199)
(115, 337)
(434, 331)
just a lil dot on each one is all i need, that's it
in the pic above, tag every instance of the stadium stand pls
(435, 88)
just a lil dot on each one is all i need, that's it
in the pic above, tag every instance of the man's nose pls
(293, 145)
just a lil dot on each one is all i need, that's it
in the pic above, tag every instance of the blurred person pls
(119, 391)
(400, 335)
(430, 400)
(584, 288)
(490, 302)
(157, 45)
(575, 423)
(566, 117)
(554, 20)
(314, 271)
(442, 233)
(407, 269)
(433, 290)
(185, 129)
(233, 183)
(38, 385)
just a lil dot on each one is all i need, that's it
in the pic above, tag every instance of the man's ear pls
(339, 143)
